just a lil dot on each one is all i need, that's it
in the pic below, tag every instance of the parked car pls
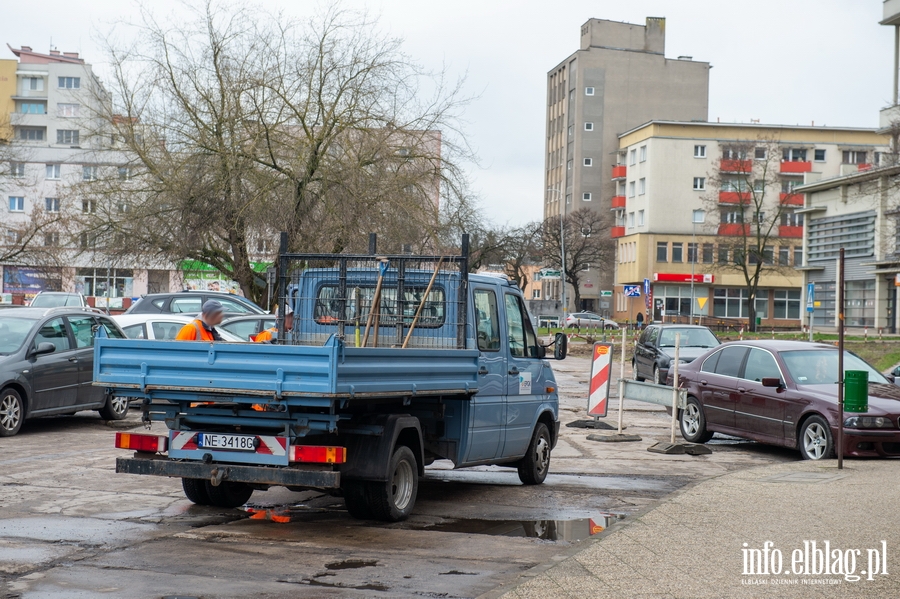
(161, 326)
(785, 393)
(895, 373)
(47, 365)
(189, 302)
(655, 349)
(248, 327)
(56, 299)
(589, 320)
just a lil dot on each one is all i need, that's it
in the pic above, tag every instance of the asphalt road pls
(72, 528)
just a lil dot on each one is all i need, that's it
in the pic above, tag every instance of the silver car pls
(589, 320)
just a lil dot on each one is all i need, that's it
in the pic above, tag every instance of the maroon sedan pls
(785, 393)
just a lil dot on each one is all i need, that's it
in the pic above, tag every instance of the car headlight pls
(868, 422)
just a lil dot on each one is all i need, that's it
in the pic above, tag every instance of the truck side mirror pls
(561, 346)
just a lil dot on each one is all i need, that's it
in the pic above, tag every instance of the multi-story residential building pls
(618, 78)
(668, 170)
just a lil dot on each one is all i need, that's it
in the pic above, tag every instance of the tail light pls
(145, 443)
(318, 454)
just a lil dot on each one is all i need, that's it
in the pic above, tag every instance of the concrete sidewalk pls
(692, 545)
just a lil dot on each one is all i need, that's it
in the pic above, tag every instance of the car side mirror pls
(43, 348)
(891, 378)
(896, 371)
(561, 346)
(772, 381)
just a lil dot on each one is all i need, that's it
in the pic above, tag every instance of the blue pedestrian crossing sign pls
(632, 290)
(810, 297)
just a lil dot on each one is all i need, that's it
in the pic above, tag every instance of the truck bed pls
(193, 370)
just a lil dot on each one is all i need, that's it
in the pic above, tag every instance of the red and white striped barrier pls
(601, 367)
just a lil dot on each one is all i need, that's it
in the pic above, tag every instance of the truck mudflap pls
(311, 476)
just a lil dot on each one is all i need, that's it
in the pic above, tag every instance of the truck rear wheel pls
(195, 490)
(228, 494)
(356, 499)
(535, 465)
(393, 500)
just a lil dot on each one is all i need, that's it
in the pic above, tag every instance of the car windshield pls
(54, 300)
(820, 366)
(13, 332)
(689, 338)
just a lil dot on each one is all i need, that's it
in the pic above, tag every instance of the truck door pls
(486, 419)
(525, 384)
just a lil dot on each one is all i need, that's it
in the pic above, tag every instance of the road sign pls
(601, 370)
(646, 286)
(632, 290)
(810, 297)
(606, 293)
(701, 301)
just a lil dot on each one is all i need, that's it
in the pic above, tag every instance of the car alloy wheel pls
(815, 441)
(690, 419)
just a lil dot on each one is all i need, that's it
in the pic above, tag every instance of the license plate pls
(220, 441)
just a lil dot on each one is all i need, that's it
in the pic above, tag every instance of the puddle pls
(351, 564)
(548, 530)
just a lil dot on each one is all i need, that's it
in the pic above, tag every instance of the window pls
(82, 330)
(707, 253)
(794, 155)
(68, 137)
(760, 364)
(51, 204)
(855, 232)
(586, 196)
(643, 153)
(631, 220)
(51, 239)
(588, 162)
(759, 153)
(791, 219)
(124, 173)
(662, 251)
(798, 255)
(13, 236)
(729, 153)
(784, 257)
(571, 130)
(67, 110)
(88, 173)
(819, 155)
(631, 189)
(699, 183)
(860, 303)
(589, 91)
(769, 254)
(53, 171)
(723, 254)
(788, 185)
(732, 303)
(787, 303)
(535, 294)
(17, 169)
(31, 134)
(699, 151)
(32, 108)
(640, 222)
(69, 82)
(759, 217)
(571, 95)
(692, 252)
(54, 331)
(759, 185)
(522, 342)
(88, 206)
(677, 252)
(730, 361)
(123, 207)
(853, 157)
(16, 204)
(733, 217)
(569, 165)
(35, 84)
(642, 186)
(568, 198)
(734, 184)
(632, 157)
(589, 126)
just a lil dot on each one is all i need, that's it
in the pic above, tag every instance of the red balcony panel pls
(618, 202)
(790, 231)
(736, 166)
(791, 199)
(619, 171)
(734, 197)
(734, 229)
(863, 167)
(796, 167)
(617, 232)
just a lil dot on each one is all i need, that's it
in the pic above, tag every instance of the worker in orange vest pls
(203, 328)
(271, 334)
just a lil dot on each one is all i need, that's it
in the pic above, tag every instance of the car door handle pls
(703, 382)
(741, 390)
(483, 370)
(514, 370)
(73, 359)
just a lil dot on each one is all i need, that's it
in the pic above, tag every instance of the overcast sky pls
(780, 61)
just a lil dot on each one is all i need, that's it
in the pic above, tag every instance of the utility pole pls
(562, 252)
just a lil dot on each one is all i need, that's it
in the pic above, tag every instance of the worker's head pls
(212, 312)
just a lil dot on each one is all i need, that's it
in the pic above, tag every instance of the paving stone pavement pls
(691, 545)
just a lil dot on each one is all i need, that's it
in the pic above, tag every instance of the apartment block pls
(617, 79)
(681, 195)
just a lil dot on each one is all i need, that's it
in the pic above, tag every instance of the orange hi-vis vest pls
(194, 331)
(267, 335)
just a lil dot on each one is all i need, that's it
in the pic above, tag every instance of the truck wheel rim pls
(402, 485)
(119, 405)
(9, 412)
(815, 441)
(542, 454)
(691, 419)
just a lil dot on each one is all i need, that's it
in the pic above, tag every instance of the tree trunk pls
(751, 310)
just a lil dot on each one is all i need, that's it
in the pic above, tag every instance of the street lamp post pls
(697, 218)
(562, 254)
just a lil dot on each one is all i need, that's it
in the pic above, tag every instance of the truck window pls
(488, 323)
(522, 342)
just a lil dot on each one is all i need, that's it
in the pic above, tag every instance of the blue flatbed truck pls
(392, 363)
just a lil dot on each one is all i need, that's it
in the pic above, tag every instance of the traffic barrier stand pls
(598, 394)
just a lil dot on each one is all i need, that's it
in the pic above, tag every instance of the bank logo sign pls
(815, 562)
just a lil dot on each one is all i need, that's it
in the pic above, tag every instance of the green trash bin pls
(856, 391)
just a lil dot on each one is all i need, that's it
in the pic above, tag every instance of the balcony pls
(734, 197)
(734, 229)
(619, 171)
(791, 199)
(790, 231)
(796, 168)
(618, 202)
(735, 166)
(616, 232)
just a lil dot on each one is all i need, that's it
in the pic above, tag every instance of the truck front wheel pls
(534, 466)
(393, 500)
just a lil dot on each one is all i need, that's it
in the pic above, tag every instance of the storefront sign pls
(663, 277)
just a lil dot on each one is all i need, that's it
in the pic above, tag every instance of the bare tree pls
(586, 244)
